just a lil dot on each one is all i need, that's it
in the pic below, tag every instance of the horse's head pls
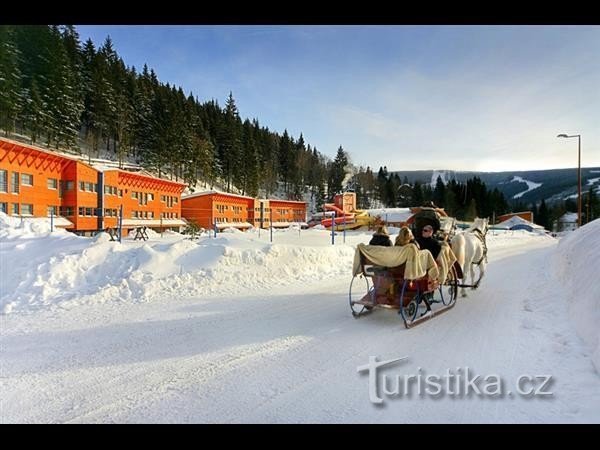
(481, 224)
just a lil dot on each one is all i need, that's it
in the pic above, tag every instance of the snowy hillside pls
(530, 186)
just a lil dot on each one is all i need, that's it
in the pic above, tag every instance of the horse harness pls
(481, 236)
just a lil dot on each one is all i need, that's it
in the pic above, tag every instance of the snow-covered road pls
(290, 353)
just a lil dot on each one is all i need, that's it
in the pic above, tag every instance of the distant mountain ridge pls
(526, 186)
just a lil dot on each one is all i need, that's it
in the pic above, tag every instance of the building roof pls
(201, 194)
(141, 173)
(516, 221)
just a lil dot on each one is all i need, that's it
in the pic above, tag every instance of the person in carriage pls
(426, 241)
(405, 237)
(381, 237)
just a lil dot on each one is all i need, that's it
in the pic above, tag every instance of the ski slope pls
(276, 343)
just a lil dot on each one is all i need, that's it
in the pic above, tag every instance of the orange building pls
(146, 200)
(286, 212)
(39, 183)
(226, 210)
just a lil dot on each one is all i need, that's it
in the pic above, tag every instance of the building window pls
(69, 185)
(82, 186)
(4, 207)
(14, 183)
(89, 212)
(52, 210)
(66, 211)
(26, 209)
(27, 179)
(3, 180)
(15, 208)
(52, 183)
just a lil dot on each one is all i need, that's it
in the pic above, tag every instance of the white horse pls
(471, 250)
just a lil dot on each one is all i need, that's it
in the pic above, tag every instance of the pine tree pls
(382, 193)
(337, 173)
(471, 213)
(591, 205)
(418, 199)
(229, 143)
(63, 100)
(10, 80)
(543, 216)
(33, 112)
(439, 193)
(285, 159)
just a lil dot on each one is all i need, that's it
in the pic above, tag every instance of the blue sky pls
(487, 98)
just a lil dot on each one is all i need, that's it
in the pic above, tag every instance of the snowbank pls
(42, 269)
(576, 265)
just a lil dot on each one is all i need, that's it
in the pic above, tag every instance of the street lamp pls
(578, 136)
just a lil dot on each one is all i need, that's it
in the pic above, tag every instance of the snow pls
(530, 186)
(592, 181)
(236, 329)
(576, 266)
(445, 175)
(391, 214)
(516, 220)
(62, 269)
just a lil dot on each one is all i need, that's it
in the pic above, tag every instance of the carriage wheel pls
(408, 312)
(360, 290)
(452, 290)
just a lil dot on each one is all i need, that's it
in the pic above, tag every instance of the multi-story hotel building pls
(83, 198)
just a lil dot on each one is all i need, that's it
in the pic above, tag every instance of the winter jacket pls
(430, 244)
(380, 239)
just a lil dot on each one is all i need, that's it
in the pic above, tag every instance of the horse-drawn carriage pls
(406, 278)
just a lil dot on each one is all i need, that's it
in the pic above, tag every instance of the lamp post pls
(578, 136)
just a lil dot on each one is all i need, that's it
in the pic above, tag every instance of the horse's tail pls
(458, 247)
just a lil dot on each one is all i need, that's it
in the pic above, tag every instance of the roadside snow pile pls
(576, 265)
(15, 226)
(42, 269)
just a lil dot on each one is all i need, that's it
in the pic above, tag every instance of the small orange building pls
(35, 182)
(286, 212)
(226, 210)
(223, 210)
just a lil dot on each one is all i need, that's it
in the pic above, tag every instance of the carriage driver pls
(427, 242)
